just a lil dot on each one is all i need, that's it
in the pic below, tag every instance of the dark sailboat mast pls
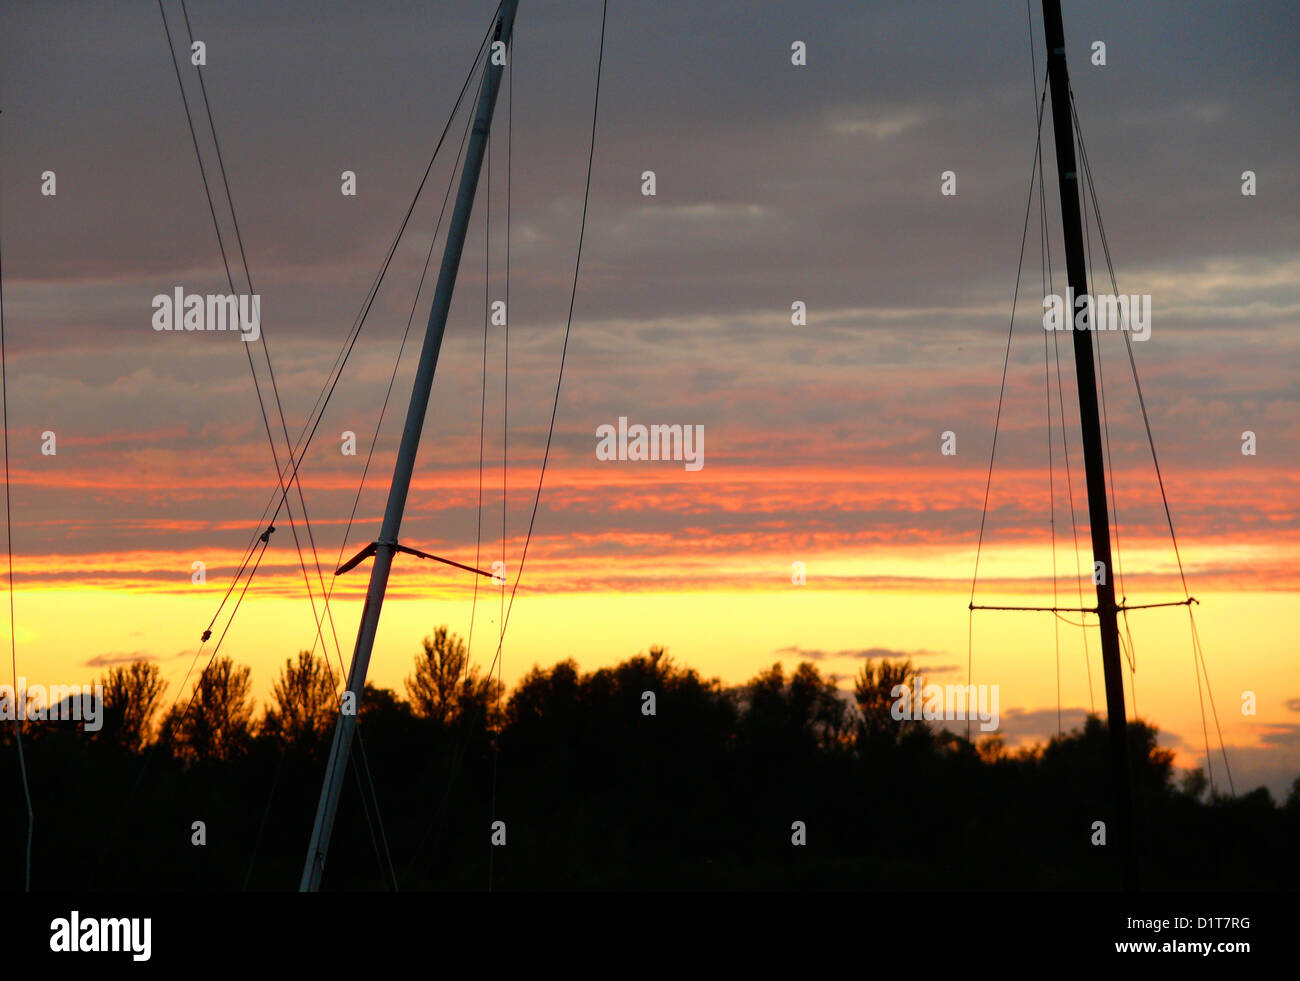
(1094, 466)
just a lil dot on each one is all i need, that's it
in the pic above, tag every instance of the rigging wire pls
(171, 50)
(1198, 651)
(1065, 442)
(505, 434)
(1051, 486)
(265, 536)
(295, 458)
(230, 279)
(295, 479)
(462, 744)
(356, 500)
(494, 666)
(13, 640)
(364, 777)
(482, 417)
(1049, 288)
(1047, 367)
(464, 675)
(1006, 360)
(1074, 526)
(1127, 647)
(392, 378)
(1196, 643)
(586, 197)
(573, 296)
(1044, 252)
(335, 373)
(1146, 418)
(1205, 733)
(322, 401)
(401, 348)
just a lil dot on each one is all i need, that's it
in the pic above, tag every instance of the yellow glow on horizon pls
(726, 634)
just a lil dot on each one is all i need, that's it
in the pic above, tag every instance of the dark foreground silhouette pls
(595, 792)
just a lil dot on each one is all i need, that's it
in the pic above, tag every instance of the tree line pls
(643, 775)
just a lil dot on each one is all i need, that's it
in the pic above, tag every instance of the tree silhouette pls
(545, 700)
(817, 703)
(805, 712)
(992, 749)
(217, 722)
(605, 787)
(873, 691)
(132, 696)
(443, 687)
(1194, 783)
(304, 708)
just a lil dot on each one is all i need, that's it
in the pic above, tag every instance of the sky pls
(775, 184)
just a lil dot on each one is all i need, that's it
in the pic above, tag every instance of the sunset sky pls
(775, 184)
